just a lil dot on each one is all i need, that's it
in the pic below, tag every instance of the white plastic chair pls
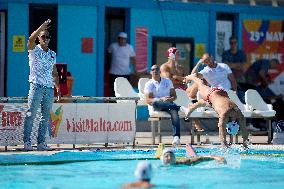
(243, 107)
(141, 86)
(257, 105)
(123, 88)
(260, 109)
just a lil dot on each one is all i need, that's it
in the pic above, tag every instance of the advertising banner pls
(264, 39)
(71, 123)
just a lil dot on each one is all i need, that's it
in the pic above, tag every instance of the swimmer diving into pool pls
(226, 109)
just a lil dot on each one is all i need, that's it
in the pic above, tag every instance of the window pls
(184, 45)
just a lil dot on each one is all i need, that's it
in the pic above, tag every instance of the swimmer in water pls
(168, 158)
(143, 173)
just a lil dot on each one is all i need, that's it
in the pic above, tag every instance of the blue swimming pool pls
(110, 169)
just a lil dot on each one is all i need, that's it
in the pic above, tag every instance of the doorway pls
(114, 23)
(184, 45)
(225, 28)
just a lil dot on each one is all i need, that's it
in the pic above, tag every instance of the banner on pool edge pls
(72, 123)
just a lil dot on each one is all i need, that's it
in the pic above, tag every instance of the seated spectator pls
(258, 72)
(143, 173)
(160, 94)
(168, 158)
(226, 109)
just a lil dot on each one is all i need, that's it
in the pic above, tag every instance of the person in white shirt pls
(122, 54)
(215, 74)
(160, 94)
(43, 76)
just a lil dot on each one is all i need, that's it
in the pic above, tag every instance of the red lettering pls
(68, 126)
(4, 119)
(90, 125)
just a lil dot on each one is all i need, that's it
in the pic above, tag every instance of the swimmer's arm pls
(233, 81)
(199, 159)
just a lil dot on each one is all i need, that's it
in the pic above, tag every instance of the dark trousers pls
(112, 78)
(172, 109)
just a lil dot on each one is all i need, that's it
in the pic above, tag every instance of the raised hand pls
(45, 25)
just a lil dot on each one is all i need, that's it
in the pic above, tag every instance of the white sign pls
(80, 123)
(223, 34)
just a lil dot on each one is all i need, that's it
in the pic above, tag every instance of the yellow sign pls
(18, 43)
(199, 50)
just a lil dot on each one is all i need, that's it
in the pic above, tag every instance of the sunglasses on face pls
(155, 69)
(233, 42)
(206, 60)
(45, 37)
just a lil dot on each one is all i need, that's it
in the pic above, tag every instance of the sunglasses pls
(45, 37)
(233, 42)
(207, 60)
(155, 69)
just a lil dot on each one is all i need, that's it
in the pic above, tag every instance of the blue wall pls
(75, 22)
(85, 18)
(17, 66)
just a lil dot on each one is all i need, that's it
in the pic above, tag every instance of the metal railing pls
(73, 99)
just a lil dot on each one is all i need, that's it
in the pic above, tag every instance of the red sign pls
(141, 49)
(87, 45)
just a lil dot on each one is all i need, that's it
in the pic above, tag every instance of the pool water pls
(110, 169)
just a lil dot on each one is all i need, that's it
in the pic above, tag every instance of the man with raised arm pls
(43, 76)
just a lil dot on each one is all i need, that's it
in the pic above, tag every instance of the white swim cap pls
(143, 170)
(232, 127)
(167, 150)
